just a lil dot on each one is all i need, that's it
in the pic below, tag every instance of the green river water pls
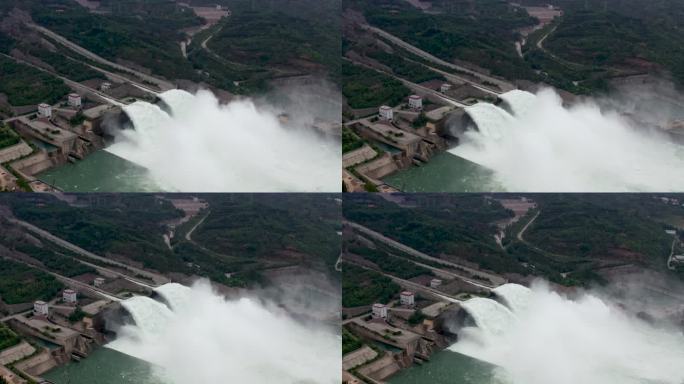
(447, 367)
(100, 171)
(445, 173)
(104, 366)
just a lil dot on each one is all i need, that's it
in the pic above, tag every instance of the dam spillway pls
(533, 142)
(190, 140)
(536, 336)
(193, 334)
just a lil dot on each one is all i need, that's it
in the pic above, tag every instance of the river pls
(445, 172)
(447, 367)
(100, 171)
(104, 366)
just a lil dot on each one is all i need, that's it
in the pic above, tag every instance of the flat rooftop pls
(48, 130)
(395, 135)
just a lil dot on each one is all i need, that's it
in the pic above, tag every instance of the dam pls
(528, 141)
(183, 140)
(536, 336)
(189, 140)
(181, 335)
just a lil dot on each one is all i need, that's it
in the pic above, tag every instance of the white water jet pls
(176, 295)
(204, 146)
(586, 340)
(149, 314)
(514, 296)
(208, 339)
(543, 146)
(518, 102)
(490, 316)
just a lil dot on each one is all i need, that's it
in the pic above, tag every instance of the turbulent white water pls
(205, 338)
(514, 296)
(533, 143)
(204, 146)
(552, 339)
(150, 315)
(176, 295)
(490, 316)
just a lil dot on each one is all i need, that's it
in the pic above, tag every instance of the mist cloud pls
(545, 146)
(587, 340)
(238, 147)
(201, 337)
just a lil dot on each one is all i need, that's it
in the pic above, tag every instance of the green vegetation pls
(593, 42)
(77, 315)
(361, 286)
(350, 343)
(417, 317)
(592, 228)
(25, 85)
(144, 32)
(8, 137)
(257, 227)
(420, 121)
(442, 226)
(480, 32)
(63, 65)
(113, 225)
(64, 265)
(366, 88)
(268, 41)
(405, 68)
(22, 284)
(571, 241)
(622, 38)
(246, 51)
(240, 236)
(391, 264)
(79, 118)
(7, 337)
(350, 140)
(370, 187)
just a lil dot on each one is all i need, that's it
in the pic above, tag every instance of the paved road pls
(522, 231)
(495, 279)
(540, 43)
(670, 266)
(188, 236)
(162, 84)
(73, 283)
(452, 275)
(456, 79)
(206, 41)
(338, 267)
(504, 85)
(103, 97)
(156, 278)
(413, 86)
(428, 291)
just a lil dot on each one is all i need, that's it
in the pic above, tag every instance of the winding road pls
(522, 231)
(670, 266)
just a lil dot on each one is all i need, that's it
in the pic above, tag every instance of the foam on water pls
(205, 338)
(544, 146)
(552, 339)
(202, 145)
